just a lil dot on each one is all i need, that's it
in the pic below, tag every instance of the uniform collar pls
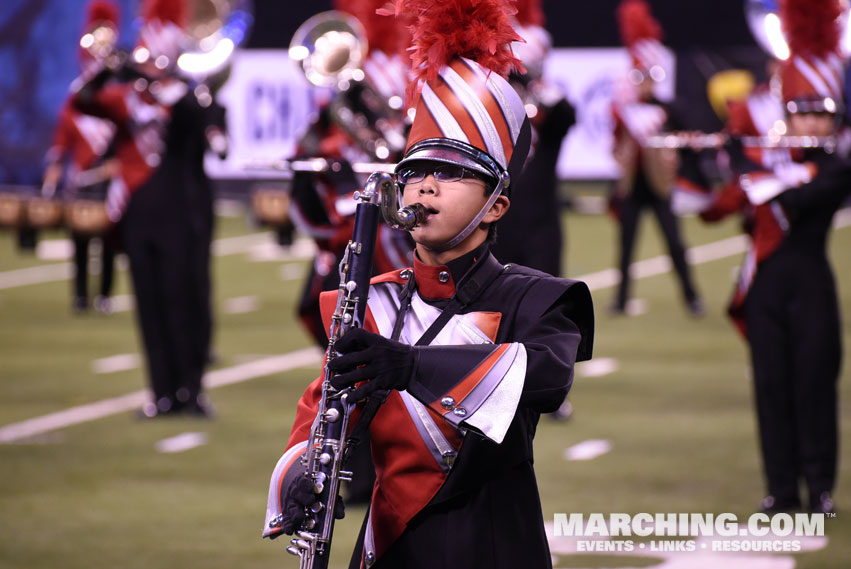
(437, 282)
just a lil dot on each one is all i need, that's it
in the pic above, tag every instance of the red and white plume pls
(387, 64)
(813, 71)
(442, 31)
(383, 31)
(162, 33)
(102, 12)
(461, 56)
(640, 33)
(536, 44)
(529, 13)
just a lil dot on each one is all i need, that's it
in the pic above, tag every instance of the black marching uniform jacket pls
(453, 453)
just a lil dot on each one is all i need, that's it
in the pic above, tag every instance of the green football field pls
(665, 415)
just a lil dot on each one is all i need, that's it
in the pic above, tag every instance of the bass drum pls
(11, 210)
(271, 207)
(43, 213)
(87, 216)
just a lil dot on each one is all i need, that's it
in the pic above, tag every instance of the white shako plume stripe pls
(474, 106)
(449, 127)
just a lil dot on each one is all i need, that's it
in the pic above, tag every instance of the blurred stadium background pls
(663, 414)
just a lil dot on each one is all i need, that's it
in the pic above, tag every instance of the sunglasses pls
(416, 173)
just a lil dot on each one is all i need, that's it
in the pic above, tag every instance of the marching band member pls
(760, 113)
(321, 203)
(647, 174)
(85, 142)
(164, 127)
(452, 440)
(791, 312)
(530, 233)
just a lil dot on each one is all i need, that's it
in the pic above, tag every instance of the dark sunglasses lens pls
(410, 176)
(449, 173)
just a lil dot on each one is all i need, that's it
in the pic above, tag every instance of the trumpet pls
(715, 140)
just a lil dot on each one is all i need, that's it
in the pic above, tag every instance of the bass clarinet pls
(327, 445)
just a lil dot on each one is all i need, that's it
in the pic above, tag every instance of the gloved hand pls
(299, 496)
(387, 364)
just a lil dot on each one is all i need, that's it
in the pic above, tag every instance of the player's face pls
(811, 124)
(451, 204)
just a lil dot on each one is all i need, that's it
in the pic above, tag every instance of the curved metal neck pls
(382, 190)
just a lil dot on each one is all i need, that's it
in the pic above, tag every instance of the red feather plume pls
(102, 11)
(636, 22)
(529, 13)
(444, 30)
(174, 11)
(383, 31)
(811, 26)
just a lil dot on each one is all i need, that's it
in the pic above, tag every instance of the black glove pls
(387, 364)
(299, 496)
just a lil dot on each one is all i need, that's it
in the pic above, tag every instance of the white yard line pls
(36, 275)
(181, 442)
(107, 407)
(240, 304)
(587, 450)
(312, 356)
(223, 246)
(597, 367)
(119, 362)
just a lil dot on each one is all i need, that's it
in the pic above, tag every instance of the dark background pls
(572, 23)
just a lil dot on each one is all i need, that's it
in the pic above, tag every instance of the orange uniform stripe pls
(463, 389)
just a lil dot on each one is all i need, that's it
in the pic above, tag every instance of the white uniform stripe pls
(491, 380)
(495, 414)
(512, 115)
(429, 432)
(369, 538)
(484, 123)
(812, 76)
(273, 504)
(449, 127)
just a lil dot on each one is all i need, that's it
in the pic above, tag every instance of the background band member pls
(647, 174)
(364, 122)
(791, 312)
(164, 127)
(85, 144)
(453, 472)
(530, 233)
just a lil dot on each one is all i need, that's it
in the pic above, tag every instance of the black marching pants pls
(794, 334)
(81, 262)
(163, 265)
(630, 210)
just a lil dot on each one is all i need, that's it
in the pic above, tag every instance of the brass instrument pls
(327, 445)
(100, 42)
(331, 48)
(215, 29)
